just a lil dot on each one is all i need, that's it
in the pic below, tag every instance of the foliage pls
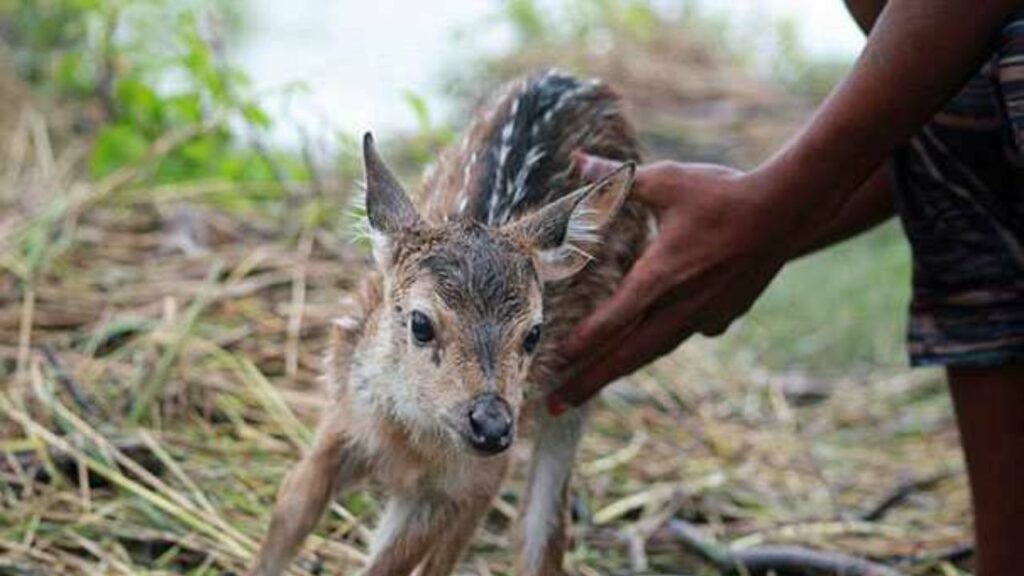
(152, 67)
(430, 138)
(527, 21)
(580, 20)
(43, 37)
(836, 312)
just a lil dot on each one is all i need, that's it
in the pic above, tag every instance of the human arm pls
(724, 234)
(917, 55)
(870, 205)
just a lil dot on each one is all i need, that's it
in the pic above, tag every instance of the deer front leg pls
(544, 515)
(330, 465)
(409, 529)
(452, 542)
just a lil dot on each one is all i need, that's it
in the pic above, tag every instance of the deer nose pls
(490, 424)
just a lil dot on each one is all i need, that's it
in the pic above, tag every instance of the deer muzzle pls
(491, 424)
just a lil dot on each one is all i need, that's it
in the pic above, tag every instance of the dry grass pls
(159, 361)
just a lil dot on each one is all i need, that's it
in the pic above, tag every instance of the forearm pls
(865, 12)
(918, 54)
(872, 204)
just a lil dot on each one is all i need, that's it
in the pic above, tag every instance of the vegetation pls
(168, 278)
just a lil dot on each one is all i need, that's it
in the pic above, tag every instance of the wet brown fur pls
(478, 271)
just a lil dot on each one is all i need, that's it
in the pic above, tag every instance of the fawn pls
(456, 342)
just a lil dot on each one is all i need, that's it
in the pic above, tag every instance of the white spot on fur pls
(535, 155)
(564, 98)
(503, 151)
(506, 143)
(492, 207)
(466, 173)
(568, 96)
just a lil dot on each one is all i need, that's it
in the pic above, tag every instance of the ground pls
(159, 362)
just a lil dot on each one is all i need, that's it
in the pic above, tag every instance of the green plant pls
(841, 309)
(152, 67)
(579, 20)
(430, 138)
(164, 110)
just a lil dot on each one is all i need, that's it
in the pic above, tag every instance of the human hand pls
(718, 246)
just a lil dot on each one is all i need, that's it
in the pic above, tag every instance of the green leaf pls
(183, 109)
(419, 107)
(318, 213)
(118, 145)
(72, 74)
(139, 104)
(255, 115)
(527, 20)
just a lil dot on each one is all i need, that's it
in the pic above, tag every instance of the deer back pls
(516, 157)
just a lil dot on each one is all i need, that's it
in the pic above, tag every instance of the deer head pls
(462, 313)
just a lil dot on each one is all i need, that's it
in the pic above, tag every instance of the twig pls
(298, 304)
(315, 179)
(105, 86)
(954, 555)
(25, 330)
(43, 148)
(185, 516)
(82, 197)
(280, 174)
(779, 560)
(786, 560)
(817, 529)
(901, 492)
(33, 468)
(67, 382)
(156, 380)
(16, 152)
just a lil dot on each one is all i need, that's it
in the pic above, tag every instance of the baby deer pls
(457, 339)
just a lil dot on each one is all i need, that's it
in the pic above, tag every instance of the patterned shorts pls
(960, 194)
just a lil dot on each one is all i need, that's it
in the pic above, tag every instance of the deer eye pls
(422, 328)
(531, 340)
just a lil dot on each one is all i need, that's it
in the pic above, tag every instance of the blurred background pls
(176, 180)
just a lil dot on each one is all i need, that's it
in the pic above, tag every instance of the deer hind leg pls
(544, 517)
(331, 465)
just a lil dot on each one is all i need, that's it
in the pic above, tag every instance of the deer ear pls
(564, 233)
(388, 208)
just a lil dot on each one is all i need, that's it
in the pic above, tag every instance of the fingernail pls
(556, 406)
